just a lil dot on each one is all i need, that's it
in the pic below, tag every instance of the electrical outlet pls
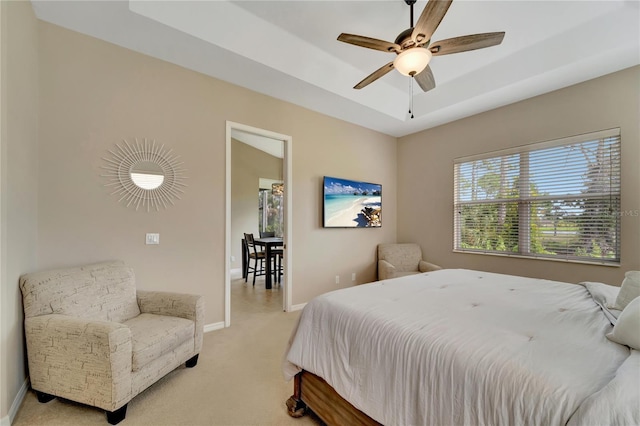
(152, 239)
(337, 279)
(353, 276)
(233, 258)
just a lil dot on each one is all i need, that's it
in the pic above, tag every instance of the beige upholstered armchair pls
(92, 338)
(397, 260)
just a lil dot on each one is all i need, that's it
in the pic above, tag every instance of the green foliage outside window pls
(567, 205)
(270, 212)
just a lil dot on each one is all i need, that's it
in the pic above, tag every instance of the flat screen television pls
(351, 204)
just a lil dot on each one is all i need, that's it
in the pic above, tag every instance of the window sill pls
(519, 256)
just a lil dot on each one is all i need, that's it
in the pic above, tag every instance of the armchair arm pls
(385, 270)
(80, 359)
(189, 306)
(427, 267)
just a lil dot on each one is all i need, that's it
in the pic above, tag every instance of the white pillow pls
(627, 328)
(629, 290)
(604, 295)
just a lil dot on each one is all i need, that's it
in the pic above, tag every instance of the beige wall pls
(94, 94)
(425, 170)
(248, 165)
(19, 187)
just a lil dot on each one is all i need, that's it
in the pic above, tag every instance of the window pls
(555, 200)
(270, 215)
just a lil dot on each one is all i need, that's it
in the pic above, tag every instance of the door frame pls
(288, 214)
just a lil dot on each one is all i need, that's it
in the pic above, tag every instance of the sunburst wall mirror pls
(144, 174)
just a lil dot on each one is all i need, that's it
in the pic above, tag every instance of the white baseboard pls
(17, 402)
(211, 327)
(298, 307)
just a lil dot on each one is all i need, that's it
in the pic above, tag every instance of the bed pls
(456, 346)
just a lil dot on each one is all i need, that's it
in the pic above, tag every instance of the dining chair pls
(257, 256)
(277, 255)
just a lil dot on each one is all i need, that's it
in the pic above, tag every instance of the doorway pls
(266, 140)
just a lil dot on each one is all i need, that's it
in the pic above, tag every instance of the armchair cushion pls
(188, 306)
(427, 267)
(155, 335)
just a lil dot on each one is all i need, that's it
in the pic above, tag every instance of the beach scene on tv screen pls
(352, 204)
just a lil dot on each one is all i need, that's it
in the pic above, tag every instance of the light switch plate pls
(153, 239)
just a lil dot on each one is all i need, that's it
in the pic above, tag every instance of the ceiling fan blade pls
(465, 43)
(374, 75)
(371, 43)
(429, 20)
(425, 79)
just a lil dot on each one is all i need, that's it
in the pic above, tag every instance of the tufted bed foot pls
(295, 407)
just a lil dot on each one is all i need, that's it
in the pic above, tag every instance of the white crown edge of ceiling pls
(138, 33)
(263, 143)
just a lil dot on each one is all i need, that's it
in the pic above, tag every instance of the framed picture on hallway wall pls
(351, 204)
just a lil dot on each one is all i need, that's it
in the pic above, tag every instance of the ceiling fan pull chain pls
(411, 97)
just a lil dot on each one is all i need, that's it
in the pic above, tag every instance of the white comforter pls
(458, 347)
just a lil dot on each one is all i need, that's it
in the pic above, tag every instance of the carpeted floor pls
(238, 379)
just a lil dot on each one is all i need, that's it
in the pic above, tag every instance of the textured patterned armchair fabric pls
(92, 338)
(397, 260)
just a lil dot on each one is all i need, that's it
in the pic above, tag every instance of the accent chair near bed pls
(94, 339)
(398, 260)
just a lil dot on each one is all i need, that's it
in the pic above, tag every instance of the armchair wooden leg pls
(115, 417)
(44, 397)
(191, 362)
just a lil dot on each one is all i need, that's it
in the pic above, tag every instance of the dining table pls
(268, 243)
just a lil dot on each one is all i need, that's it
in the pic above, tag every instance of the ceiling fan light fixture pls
(412, 61)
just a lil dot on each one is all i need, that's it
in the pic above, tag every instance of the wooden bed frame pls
(313, 393)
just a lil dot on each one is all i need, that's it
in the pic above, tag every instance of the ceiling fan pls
(414, 48)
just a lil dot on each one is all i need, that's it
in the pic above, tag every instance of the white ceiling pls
(288, 49)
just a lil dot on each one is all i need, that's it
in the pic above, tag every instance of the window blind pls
(557, 199)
